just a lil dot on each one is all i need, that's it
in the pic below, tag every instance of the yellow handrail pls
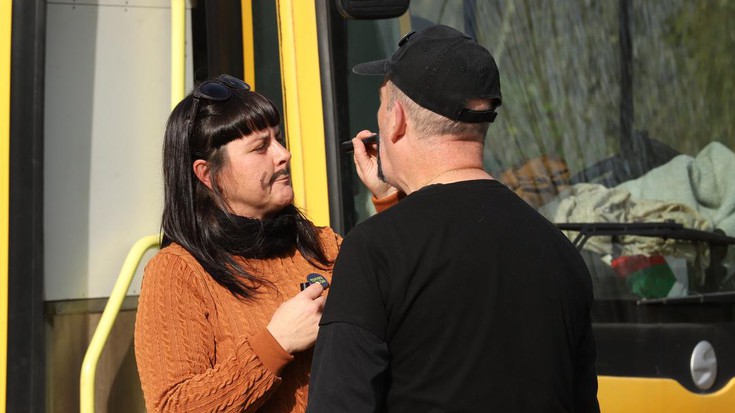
(101, 333)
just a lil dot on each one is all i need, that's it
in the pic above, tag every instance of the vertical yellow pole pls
(178, 48)
(248, 48)
(6, 17)
(302, 101)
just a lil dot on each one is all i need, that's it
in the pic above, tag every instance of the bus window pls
(616, 124)
(364, 100)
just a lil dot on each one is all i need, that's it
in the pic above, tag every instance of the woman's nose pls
(283, 154)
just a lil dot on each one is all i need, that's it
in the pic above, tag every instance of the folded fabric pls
(597, 203)
(538, 180)
(705, 183)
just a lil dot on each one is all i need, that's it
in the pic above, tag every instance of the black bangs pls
(244, 113)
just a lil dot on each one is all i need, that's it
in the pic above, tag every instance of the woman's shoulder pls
(173, 253)
(327, 233)
(173, 265)
(330, 240)
(174, 279)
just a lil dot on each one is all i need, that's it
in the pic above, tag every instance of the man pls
(461, 297)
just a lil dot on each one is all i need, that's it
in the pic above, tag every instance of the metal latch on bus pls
(704, 365)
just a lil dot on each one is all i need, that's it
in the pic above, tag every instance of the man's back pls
(482, 303)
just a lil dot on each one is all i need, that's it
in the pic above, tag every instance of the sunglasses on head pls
(217, 90)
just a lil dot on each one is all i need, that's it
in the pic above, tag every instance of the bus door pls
(90, 91)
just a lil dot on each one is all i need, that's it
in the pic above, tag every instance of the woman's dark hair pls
(193, 214)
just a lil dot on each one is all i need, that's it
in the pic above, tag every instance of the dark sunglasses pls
(217, 90)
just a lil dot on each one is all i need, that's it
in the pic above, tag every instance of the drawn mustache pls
(283, 172)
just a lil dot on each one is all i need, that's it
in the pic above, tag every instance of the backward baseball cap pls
(441, 69)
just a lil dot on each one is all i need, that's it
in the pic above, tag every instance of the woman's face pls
(255, 180)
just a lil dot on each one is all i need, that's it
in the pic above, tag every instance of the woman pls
(221, 323)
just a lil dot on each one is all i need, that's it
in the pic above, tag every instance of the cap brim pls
(376, 67)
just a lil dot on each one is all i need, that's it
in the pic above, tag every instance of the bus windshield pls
(613, 113)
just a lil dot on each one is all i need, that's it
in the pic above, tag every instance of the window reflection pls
(613, 112)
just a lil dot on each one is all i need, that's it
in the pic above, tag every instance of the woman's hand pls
(366, 163)
(295, 323)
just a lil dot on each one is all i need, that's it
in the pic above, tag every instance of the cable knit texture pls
(201, 349)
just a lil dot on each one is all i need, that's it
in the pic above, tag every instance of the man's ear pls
(398, 124)
(201, 170)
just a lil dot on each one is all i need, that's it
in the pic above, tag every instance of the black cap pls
(441, 68)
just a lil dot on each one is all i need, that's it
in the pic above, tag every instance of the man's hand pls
(366, 163)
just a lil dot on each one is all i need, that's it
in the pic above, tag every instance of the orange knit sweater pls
(201, 349)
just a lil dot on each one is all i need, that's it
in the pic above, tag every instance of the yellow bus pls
(617, 124)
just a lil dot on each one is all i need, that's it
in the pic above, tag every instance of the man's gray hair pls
(428, 123)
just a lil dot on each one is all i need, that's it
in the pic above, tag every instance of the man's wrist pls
(391, 191)
(381, 204)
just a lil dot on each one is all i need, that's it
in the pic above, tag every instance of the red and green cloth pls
(647, 276)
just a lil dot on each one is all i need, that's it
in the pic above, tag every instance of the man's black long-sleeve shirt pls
(460, 298)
